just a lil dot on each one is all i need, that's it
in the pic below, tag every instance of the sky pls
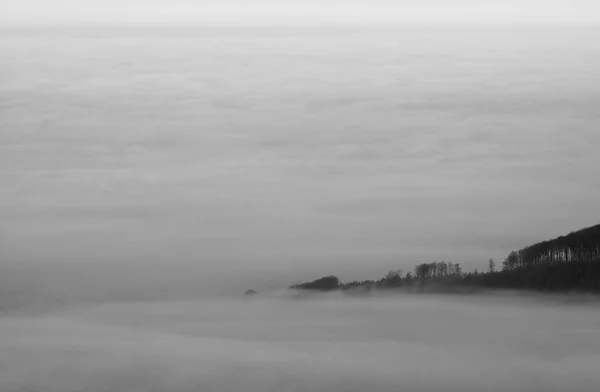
(291, 153)
(294, 12)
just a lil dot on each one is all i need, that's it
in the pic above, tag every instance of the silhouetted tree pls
(457, 269)
(511, 262)
(442, 268)
(491, 266)
(393, 278)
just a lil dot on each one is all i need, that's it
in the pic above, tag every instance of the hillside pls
(567, 263)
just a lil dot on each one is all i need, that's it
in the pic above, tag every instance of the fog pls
(280, 342)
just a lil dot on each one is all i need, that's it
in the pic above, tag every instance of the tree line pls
(580, 245)
(568, 262)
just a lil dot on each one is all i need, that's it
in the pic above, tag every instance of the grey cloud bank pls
(306, 150)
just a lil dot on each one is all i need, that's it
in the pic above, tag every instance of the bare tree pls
(457, 270)
(491, 266)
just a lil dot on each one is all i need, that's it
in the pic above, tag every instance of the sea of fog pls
(280, 342)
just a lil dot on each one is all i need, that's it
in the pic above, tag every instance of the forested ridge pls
(567, 263)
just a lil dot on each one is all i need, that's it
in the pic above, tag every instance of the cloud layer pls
(307, 151)
(293, 12)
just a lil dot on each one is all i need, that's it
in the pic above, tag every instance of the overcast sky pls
(309, 151)
(301, 12)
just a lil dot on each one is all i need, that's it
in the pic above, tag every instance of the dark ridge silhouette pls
(326, 283)
(566, 263)
(581, 245)
(250, 292)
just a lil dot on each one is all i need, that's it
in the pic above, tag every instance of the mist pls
(281, 342)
